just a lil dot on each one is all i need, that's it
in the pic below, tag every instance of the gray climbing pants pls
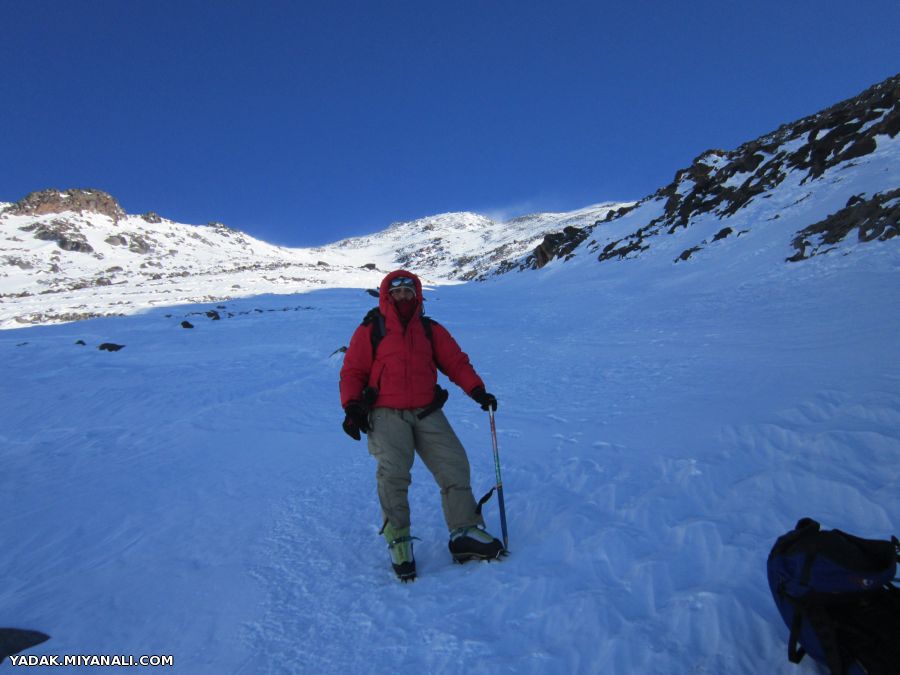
(395, 437)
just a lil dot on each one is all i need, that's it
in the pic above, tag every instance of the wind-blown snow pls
(659, 425)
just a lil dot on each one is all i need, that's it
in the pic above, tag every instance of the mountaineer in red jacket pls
(389, 391)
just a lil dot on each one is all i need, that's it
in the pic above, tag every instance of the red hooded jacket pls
(404, 370)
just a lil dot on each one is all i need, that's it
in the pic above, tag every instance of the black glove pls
(484, 399)
(356, 419)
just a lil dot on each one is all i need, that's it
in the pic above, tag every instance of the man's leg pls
(446, 458)
(391, 443)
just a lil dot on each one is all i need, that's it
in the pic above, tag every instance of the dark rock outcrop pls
(79, 200)
(685, 255)
(17, 262)
(67, 236)
(633, 243)
(556, 245)
(722, 183)
(721, 234)
(877, 218)
(139, 244)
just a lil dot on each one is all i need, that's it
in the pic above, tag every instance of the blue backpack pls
(836, 594)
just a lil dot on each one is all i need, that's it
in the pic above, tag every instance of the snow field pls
(193, 494)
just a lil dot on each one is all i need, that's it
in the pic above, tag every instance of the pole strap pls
(484, 500)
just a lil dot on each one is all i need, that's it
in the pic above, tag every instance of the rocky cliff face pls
(725, 182)
(721, 184)
(874, 219)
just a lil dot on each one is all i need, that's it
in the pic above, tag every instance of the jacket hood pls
(385, 304)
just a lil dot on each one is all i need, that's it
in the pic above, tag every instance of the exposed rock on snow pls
(720, 185)
(877, 218)
(67, 237)
(556, 245)
(76, 200)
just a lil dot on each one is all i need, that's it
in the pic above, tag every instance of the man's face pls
(402, 294)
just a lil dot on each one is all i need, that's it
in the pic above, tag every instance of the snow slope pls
(663, 419)
(68, 265)
(468, 245)
(132, 264)
(660, 425)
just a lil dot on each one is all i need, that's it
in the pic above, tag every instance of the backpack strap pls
(378, 330)
(801, 609)
(440, 398)
(823, 625)
(795, 651)
(376, 318)
(426, 324)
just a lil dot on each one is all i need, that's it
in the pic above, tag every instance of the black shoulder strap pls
(426, 324)
(378, 330)
(372, 315)
(375, 317)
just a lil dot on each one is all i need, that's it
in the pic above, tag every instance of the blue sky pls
(305, 122)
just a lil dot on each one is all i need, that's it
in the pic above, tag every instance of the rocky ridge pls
(719, 185)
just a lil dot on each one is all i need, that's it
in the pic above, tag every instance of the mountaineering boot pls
(401, 548)
(474, 543)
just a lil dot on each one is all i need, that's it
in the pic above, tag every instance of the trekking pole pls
(499, 480)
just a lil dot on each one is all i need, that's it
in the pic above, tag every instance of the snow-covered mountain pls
(466, 246)
(663, 417)
(76, 254)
